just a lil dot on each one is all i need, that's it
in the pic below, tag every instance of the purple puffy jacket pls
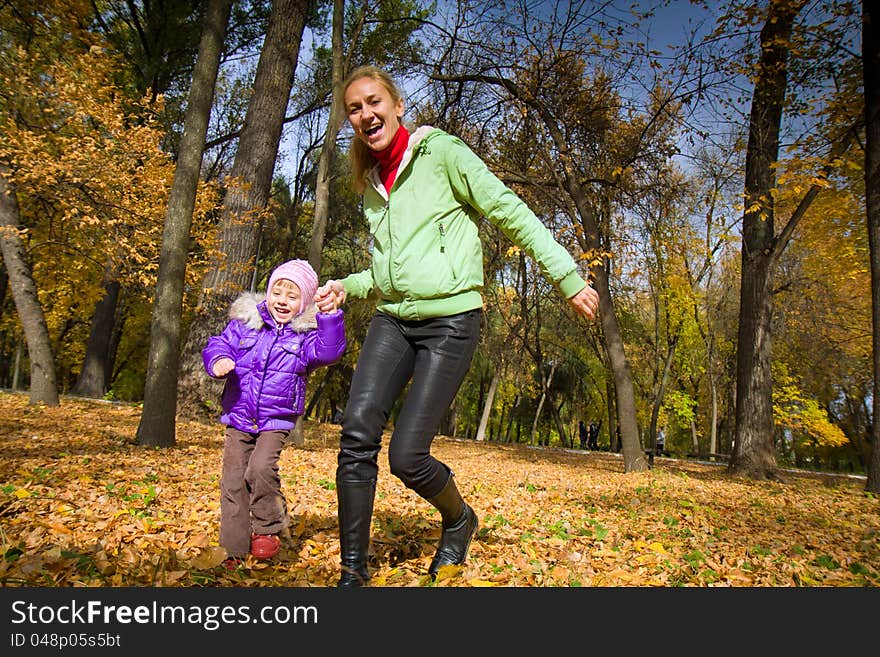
(267, 389)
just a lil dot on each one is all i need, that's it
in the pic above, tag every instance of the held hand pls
(586, 302)
(223, 367)
(330, 296)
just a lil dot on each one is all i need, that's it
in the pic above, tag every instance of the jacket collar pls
(250, 309)
(412, 147)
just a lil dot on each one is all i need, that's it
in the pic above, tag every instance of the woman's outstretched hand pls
(586, 302)
(329, 296)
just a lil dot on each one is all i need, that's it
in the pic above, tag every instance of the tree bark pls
(487, 408)
(753, 451)
(328, 148)
(94, 377)
(871, 76)
(44, 387)
(246, 198)
(544, 386)
(612, 416)
(157, 426)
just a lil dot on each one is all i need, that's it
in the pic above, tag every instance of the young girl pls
(266, 353)
(423, 194)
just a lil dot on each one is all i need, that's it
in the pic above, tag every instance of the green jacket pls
(427, 257)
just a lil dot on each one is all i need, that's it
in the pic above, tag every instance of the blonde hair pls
(286, 284)
(361, 157)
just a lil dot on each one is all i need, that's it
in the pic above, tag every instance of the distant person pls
(661, 441)
(582, 434)
(619, 445)
(593, 436)
(265, 354)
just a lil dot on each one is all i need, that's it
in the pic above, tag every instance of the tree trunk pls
(44, 387)
(557, 417)
(512, 415)
(612, 416)
(246, 197)
(158, 419)
(322, 186)
(871, 75)
(94, 377)
(487, 408)
(713, 427)
(453, 419)
(17, 367)
(633, 455)
(660, 390)
(753, 451)
(328, 148)
(544, 386)
(316, 395)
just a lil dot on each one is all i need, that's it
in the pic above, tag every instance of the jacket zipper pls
(421, 148)
(256, 418)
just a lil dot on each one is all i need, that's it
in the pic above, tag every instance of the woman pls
(423, 194)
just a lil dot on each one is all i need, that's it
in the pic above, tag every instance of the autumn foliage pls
(81, 505)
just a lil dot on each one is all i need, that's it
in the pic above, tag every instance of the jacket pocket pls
(294, 352)
(445, 251)
(247, 342)
(376, 217)
(245, 357)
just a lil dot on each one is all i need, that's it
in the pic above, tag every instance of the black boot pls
(355, 510)
(459, 526)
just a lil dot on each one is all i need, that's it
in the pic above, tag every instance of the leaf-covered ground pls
(81, 505)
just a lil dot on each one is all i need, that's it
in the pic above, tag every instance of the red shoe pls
(265, 546)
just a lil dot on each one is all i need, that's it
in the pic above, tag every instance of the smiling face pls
(284, 300)
(373, 112)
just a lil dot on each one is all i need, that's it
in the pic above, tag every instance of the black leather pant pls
(435, 355)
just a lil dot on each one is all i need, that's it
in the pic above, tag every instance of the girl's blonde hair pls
(361, 157)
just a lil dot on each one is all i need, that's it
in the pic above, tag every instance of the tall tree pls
(753, 452)
(871, 75)
(247, 195)
(549, 91)
(44, 387)
(334, 121)
(157, 423)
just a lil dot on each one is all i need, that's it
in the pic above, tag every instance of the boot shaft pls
(355, 512)
(449, 502)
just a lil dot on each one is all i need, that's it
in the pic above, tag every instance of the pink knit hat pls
(301, 273)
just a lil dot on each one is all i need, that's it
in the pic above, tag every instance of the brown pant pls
(251, 501)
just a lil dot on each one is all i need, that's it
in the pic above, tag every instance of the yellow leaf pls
(21, 493)
(481, 582)
(447, 572)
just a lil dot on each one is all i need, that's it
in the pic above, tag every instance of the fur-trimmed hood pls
(250, 309)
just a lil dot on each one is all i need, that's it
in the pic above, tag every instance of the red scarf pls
(389, 158)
